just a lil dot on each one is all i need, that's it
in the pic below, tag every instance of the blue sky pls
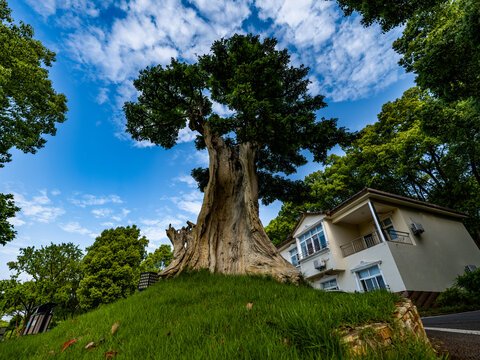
(93, 176)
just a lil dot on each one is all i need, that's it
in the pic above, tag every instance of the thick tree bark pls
(229, 237)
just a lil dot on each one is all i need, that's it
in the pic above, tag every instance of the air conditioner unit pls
(470, 268)
(320, 264)
(417, 228)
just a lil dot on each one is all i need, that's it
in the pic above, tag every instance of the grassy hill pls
(205, 316)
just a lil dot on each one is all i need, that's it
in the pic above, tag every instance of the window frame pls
(330, 288)
(362, 284)
(311, 242)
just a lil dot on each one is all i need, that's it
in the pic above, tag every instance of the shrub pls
(454, 296)
(470, 282)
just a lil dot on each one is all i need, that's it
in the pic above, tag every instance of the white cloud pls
(190, 202)
(16, 221)
(104, 212)
(108, 224)
(187, 179)
(121, 216)
(154, 229)
(102, 96)
(39, 208)
(75, 227)
(50, 7)
(143, 144)
(347, 61)
(111, 214)
(55, 192)
(89, 200)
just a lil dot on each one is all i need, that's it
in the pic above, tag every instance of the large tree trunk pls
(229, 237)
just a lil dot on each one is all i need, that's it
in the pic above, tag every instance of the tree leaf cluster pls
(53, 274)
(414, 149)
(29, 106)
(111, 266)
(267, 99)
(158, 260)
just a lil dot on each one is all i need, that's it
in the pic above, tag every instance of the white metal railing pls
(371, 239)
(361, 243)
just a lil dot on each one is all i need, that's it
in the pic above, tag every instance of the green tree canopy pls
(387, 13)
(111, 266)
(54, 275)
(412, 150)
(158, 260)
(442, 48)
(29, 107)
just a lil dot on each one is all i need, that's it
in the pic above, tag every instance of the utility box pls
(147, 279)
(40, 320)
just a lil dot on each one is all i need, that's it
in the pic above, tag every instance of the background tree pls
(273, 120)
(158, 260)
(29, 107)
(18, 299)
(54, 277)
(397, 154)
(442, 48)
(387, 13)
(111, 266)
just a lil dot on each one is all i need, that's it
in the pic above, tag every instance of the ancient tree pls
(272, 122)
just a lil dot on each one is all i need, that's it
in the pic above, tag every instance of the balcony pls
(371, 239)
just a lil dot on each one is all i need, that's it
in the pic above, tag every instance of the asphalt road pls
(457, 334)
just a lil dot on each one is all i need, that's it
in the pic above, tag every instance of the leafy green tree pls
(54, 273)
(18, 299)
(387, 13)
(7, 210)
(397, 154)
(273, 119)
(111, 266)
(158, 260)
(442, 48)
(29, 107)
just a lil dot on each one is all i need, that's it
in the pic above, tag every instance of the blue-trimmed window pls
(313, 241)
(330, 285)
(371, 279)
(294, 256)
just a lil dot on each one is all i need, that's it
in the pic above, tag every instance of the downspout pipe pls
(377, 222)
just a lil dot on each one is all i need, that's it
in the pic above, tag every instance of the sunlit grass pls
(205, 316)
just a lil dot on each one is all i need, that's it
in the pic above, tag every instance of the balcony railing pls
(368, 240)
(361, 243)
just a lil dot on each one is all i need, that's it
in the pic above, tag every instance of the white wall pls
(439, 254)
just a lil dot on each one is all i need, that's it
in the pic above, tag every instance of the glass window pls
(313, 241)
(330, 285)
(294, 256)
(387, 225)
(371, 279)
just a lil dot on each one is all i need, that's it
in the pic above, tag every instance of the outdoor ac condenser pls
(470, 268)
(319, 265)
(417, 228)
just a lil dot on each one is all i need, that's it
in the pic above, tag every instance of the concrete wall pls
(387, 266)
(439, 254)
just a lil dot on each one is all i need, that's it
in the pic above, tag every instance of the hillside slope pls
(205, 316)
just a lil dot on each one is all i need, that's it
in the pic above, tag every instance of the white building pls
(379, 240)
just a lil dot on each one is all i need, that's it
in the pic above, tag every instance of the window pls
(371, 279)
(294, 256)
(313, 241)
(387, 225)
(330, 285)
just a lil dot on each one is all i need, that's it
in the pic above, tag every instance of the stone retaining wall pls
(407, 321)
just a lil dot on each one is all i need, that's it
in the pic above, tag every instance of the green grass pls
(205, 316)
